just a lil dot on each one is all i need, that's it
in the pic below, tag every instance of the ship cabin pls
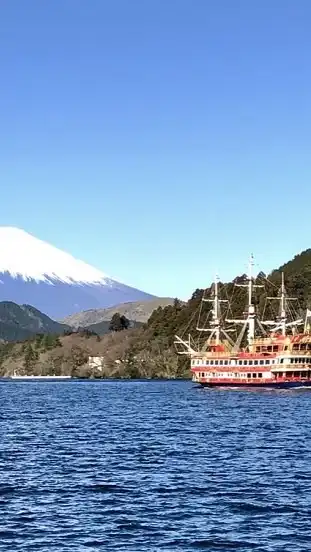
(277, 357)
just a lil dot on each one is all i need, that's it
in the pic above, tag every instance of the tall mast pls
(249, 322)
(216, 327)
(251, 308)
(281, 323)
(283, 307)
(215, 312)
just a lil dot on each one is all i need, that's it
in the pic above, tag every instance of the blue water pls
(153, 466)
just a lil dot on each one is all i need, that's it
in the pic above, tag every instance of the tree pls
(38, 340)
(78, 356)
(30, 358)
(118, 323)
(51, 341)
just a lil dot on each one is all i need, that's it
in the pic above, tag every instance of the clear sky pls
(159, 140)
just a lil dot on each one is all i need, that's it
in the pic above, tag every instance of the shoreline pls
(74, 379)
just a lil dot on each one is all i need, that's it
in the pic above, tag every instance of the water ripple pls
(153, 466)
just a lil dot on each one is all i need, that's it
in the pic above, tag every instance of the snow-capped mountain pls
(36, 273)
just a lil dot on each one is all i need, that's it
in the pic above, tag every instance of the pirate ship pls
(264, 353)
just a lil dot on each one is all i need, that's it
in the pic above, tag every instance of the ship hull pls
(272, 385)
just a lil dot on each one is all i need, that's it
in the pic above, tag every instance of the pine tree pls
(30, 359)
(118, 323)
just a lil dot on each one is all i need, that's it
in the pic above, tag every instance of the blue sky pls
(159, 140)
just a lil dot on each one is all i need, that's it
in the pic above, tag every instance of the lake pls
(153, 466)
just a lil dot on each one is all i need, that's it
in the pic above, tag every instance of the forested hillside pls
(18, 322)
(149, 351)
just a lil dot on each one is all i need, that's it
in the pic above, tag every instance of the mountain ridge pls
(148, 351)
(19, 322)
(37, 273)
(137, 311)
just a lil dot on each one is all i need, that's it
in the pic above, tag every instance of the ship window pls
(249, 375)
(259, 375)
(198, 362)
(282, 360)
(216, 362)
(261, 362)
(226, 363)
(250, 363)
(240, 362)
(254, 375)
(255, 362)
(236, 375)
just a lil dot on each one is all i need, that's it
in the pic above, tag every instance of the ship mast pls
(251, 308)
(249, 322)
(216, 328)
(282, 323)
(283, 307)
(216, 320)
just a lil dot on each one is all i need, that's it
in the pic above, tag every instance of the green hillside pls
(19, 322)
(147, 351)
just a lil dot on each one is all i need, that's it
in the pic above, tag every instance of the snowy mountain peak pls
(22, 255)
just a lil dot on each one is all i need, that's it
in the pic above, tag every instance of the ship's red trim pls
(251, 381)
(236, 369)
(242, 356)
